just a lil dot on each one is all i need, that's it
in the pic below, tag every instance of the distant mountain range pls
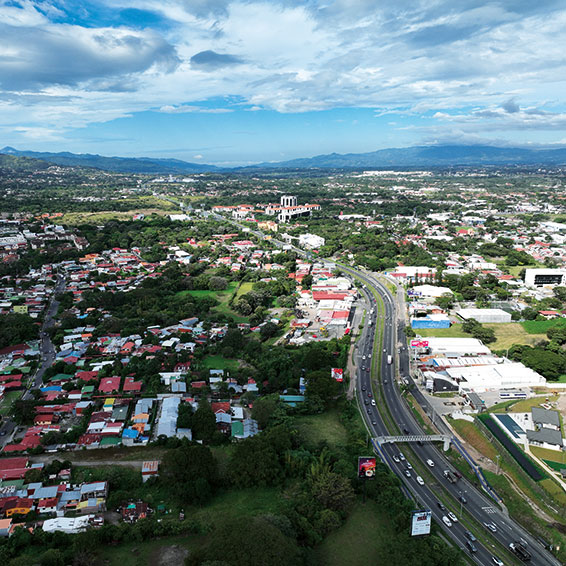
(116, 164)
(419, 156)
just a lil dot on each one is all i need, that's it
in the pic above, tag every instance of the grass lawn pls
(218, 362)
(223, 297)
(506, 334)
(525, 405)
(511, 333)
(471, 433)
(146, 553)
(7, 401)
(239, 503)
(546, 454)
(324, 427)
(455, 331)
(244, 288)
(541, 326)
(359, 542)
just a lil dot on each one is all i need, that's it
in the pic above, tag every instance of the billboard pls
(420, 524)
(366, 467)
(419, 343)
(337, 374)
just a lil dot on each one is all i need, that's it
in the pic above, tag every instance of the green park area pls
(219, 362)
(506, 334)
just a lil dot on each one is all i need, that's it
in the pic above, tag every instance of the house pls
(109, 384)
(543, 418)
(5, 527)
(18, 506)
(150, 469)
(244, 429)
(69, 525)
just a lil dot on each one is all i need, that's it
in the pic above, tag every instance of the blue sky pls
(237, 82)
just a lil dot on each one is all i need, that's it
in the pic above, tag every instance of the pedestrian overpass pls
(444, 438)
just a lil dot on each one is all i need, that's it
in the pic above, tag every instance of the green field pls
(541, 326)
(223, 297)
(218, 362)
(361, 541)
(6, 403)
(472, 434)
(506, 334)
(244, 288)
(325, 427)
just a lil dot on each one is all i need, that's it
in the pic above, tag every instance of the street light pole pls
(498, 456)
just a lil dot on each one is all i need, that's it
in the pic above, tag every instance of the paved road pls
(482, 509)
(46, 359)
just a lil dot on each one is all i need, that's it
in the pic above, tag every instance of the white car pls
(496, 561)
(491, 527)
(453, 517)
(409, 467)
(407, 473)
(373, 402)
(396, 458)
(430, 463)
(401, 456)
(420, 480)
(446, 521)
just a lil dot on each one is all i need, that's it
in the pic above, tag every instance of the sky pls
(233, 82)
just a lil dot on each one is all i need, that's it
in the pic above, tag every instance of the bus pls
(512, 395)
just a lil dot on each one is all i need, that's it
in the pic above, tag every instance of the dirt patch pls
(173, 555)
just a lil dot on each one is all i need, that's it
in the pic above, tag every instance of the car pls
(408, 473)
(373, 423)
(406, 430)
(364, 388)
(420, 480)
(363, 357)
(409, 467)
(366, 401)
(462, 498)
(385, 381)
(497, 561)
(470, 536)
(446, 521)
(441, 505)
(453, 517)
(401, 456)
(430, 463)
(369, 356)
(369, 411)
(471, 546)
(491, 526)
(384, 350)
(373, 402)
(3, 433)
(363, 368)
(369, 394)
(396, 458)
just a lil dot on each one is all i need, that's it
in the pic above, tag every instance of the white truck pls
(389, 360)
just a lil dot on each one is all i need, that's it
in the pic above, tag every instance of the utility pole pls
(498, 457)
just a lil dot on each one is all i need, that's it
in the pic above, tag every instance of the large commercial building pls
(456, 347)
(494, 377)
(485, 315)
(544, 277)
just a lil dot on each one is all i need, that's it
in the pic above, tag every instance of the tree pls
(445, 301)
(268, 330)
(263, 410)
(217, 283)
(204, 422)
(253, 542)
(255, 463)
(191, 471)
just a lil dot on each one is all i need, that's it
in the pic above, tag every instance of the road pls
(46, 359)
(483, 510)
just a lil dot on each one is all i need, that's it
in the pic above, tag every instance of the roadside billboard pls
(366, 467)
(419, 343)
(421, 522)
(337, 374)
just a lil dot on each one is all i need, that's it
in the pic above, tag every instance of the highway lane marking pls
(489, 510)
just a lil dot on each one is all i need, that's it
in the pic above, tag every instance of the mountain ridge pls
(448, 155)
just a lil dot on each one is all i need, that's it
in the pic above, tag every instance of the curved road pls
(482, 509)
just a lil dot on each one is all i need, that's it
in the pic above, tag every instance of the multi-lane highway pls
(479, 512)
(472, 508)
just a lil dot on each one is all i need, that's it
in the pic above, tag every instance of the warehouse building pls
(456, 347)
(485, 315)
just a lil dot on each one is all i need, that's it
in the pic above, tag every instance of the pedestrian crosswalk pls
(489, 510)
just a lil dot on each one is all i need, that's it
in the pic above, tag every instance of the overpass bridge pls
(444, 438)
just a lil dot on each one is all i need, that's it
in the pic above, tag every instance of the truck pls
(520, 551)
(450, 476)
(389, 360)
